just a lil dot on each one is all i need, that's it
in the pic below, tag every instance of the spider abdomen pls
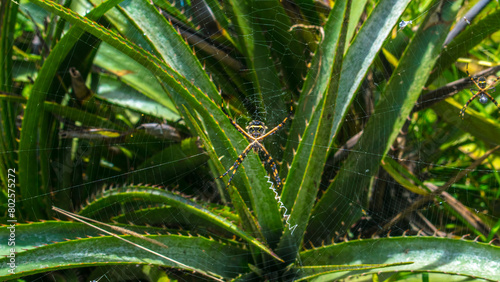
(483, 99)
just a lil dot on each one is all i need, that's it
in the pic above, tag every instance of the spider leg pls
(462, 112)
(272, 165)
(236, 164)
(495, 81)
(235, 124)
(471, 78)
(272, 131)
(492, 99)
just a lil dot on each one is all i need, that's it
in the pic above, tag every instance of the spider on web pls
(255, 133)
(482, 91)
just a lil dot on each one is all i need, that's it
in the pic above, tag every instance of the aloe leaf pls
(391, 112)
(363, 49)
(356, 12)
(250, 222)
(223, 140)
(37, 234)
(168, 42)
(86, 118)
(166, 164)
(117, 92)
(222, 19)
(473, 122)
(176, 218)
(443, 255)
(198, 253)
(316, 83)
(28, 168)
(305, 178)
(173, 11)
(264, 75)
(131, 74)
(318, 272)
(150, 194)
(118, 19)
(274, 20)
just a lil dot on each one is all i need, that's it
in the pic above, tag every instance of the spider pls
(255, 133)
(482, 91)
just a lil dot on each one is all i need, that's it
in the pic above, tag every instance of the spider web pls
(157, 147)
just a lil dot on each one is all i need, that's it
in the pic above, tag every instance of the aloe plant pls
(86, 142)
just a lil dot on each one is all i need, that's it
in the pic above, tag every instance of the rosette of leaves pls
(141, 61)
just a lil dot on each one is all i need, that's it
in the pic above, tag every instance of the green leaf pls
(249, 221)
(440, 255)
(86, 118)
(166, 164)
(319, 271)
(37, 234)
(185, 92)
(168, 44)
(360, 56)
(132, 76)
(177, 54)
(198, 253)
(176, 218)
(303, 180)
(316, 83)
(354, 18)
(401, 92)
(273, 19)
(263, 73)
(362, 52)
(155, 195)
(173, 11)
